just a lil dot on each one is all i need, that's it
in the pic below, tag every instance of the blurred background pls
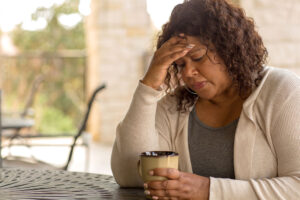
(54, 53)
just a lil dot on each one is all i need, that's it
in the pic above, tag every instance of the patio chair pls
(83, 124)
(35, 163)
(16, 122)
(12, 123)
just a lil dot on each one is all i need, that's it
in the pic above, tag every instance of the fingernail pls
(147, 192)
(151, 173)
(190, 46)
(154, 197)
(145, 185)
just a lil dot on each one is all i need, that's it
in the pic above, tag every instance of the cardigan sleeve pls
(285, 134)
(138, 133)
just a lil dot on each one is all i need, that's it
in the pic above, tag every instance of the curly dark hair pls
(234, 39)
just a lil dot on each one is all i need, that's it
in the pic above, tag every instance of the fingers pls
(171, 58)
(164, 198)
(169, 173)
(169, 50)
(178, 48)
(163, 58)
(169, 189)
(163, 193)
(163, 189)
(173, 49)
(175, 39)
(164, 185)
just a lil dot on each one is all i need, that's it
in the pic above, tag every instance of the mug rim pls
(160, 153)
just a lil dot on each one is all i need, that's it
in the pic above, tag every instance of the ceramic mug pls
(150, 160)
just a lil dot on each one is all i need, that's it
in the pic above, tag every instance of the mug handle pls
(139, 168)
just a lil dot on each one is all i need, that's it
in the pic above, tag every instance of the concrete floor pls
(98, 161)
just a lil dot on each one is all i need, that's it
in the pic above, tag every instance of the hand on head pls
(175, 48)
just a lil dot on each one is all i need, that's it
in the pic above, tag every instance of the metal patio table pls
(16, 123)
(16, 183)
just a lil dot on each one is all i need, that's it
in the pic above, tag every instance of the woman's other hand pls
(175, 48)
(180, 185)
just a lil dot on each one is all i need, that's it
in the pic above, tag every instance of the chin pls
(206, 96)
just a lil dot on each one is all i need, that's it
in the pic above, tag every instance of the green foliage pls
(54, 121)
(60, 101)
(55, 36)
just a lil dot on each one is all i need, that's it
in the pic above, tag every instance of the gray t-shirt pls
(211, 149)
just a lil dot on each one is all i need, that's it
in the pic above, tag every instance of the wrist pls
(150, 84)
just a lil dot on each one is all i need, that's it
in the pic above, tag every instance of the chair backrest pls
(33, 90)
(34, 87)
(83, 124)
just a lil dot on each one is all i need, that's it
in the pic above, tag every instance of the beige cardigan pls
(266, 146)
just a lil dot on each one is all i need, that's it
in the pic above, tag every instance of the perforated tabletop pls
(51, 184)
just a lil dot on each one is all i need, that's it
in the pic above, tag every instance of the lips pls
(199, 85)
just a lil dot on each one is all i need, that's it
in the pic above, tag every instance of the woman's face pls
(204, 71)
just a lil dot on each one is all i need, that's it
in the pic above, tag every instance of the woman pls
(234, 122)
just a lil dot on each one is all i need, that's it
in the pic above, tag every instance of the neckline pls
(195, 117)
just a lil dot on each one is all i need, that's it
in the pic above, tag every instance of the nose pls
(189, 70)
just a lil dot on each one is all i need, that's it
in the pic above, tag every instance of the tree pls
(61, 99)
(55, 36)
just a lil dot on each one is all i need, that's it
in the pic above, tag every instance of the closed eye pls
(198, 59)
(182, 65)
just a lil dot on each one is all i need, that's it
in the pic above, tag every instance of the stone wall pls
(279, 25)
(119, 35)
